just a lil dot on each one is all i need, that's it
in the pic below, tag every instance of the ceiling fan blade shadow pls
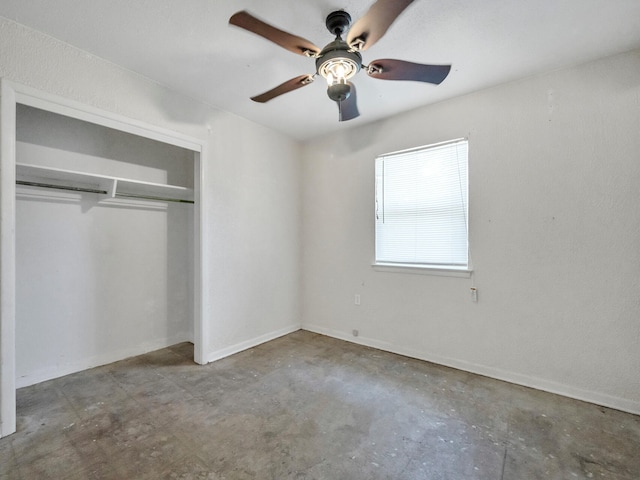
(370, 28)
(389, 69)
(348, 109)
(283, 88)
(293, 43)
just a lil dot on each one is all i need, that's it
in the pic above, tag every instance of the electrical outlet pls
(474, 294)
(356, 299)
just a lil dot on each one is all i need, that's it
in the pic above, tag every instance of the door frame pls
(12, 94)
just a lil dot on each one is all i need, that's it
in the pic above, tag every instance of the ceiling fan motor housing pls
(338, 22)
(338, 51)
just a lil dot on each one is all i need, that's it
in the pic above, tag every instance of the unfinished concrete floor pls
(308, 407)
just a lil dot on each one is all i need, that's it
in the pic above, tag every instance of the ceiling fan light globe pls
(338, 69)
(337, 64)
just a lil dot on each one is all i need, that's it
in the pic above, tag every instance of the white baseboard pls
(239, 347)
(598, 398)
(91, 362)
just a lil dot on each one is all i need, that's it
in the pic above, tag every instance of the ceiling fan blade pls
(286, 40)
(286, 87)
(388, 69)
(370, 28)
(348, 109)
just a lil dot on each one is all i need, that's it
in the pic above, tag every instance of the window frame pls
(424, 268)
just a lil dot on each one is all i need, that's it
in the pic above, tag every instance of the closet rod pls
(151, 197)
(60, 187)
(103, 192)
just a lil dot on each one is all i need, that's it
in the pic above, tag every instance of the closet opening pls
(101, 242)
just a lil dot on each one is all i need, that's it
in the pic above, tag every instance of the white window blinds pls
(421, 206)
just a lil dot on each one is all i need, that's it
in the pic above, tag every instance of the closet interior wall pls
(96, 280)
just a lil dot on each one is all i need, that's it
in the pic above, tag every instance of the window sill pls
(461, 272)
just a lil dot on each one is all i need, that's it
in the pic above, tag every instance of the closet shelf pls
(109, 187)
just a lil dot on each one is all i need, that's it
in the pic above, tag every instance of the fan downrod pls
(338, 22)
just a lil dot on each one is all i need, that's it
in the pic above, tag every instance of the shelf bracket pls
(113, 186)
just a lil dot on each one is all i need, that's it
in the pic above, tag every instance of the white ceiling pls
(188, 46)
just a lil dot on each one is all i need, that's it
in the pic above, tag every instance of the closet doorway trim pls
(12, 94)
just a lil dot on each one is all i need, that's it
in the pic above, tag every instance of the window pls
(421, 207)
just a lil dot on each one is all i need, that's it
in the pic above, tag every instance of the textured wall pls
(251, 182)
(554, 231)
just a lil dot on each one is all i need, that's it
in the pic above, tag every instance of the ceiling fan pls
(340, 60)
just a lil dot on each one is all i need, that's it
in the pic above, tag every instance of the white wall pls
(255, 242)
(251, 184)
(554, 229)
